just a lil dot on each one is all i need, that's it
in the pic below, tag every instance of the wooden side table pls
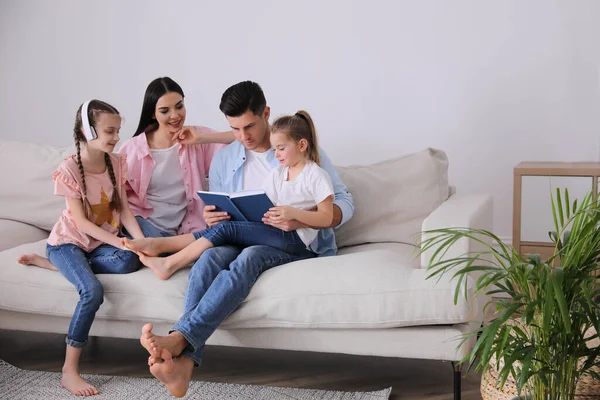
(534, 182)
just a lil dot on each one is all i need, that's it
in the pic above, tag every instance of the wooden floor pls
(410, 379)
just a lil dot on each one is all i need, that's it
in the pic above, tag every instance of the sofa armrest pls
(15, 233)
(459, 211)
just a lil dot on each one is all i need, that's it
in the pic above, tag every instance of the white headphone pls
(88, 130)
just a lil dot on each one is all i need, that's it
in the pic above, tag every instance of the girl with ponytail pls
(299, 188)
(85, 241)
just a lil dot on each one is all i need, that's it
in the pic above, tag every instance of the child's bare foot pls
(159, 265)
(174, 343)
(75, 384)
(175, 374)
(148, 246)
(37, 261)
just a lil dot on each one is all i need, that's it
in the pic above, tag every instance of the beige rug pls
(16, 383)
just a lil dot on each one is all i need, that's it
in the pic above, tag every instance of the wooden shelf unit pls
(531, 178)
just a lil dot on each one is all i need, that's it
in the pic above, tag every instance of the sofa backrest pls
(26, 175)
(393, 197)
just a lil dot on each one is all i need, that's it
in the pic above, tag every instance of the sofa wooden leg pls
(457, 379)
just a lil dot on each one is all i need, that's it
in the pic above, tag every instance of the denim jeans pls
(80, 268)
(218, 283)
(150, 230)
(241, 233)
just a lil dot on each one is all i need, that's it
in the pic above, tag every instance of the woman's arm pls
(88, 227)
(192, 135)
(127, 217)
(319, 219)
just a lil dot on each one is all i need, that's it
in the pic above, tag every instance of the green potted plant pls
(548, 311)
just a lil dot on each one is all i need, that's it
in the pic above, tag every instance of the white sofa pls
(371, 299)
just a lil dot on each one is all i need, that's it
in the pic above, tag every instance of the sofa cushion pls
(369, 288)
(392, 198)
(27, 187)
(14, 233)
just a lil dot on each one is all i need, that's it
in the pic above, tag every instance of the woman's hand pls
(189, 135)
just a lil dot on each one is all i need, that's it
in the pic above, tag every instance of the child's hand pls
(281, 214)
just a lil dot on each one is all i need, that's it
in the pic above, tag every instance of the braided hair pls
(95, 108)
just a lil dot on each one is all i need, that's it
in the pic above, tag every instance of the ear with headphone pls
(88, 130)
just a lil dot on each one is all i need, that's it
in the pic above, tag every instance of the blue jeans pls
(150, 230)
(80, 268)
(246, 234)
(218, 283)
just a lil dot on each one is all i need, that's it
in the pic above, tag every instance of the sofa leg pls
(457, 379)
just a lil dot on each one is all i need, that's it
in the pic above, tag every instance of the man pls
(223, 276)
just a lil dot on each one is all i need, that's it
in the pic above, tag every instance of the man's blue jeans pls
(218, 283)
(241, 233)
(80, 268)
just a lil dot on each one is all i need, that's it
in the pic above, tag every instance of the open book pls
(247, 205)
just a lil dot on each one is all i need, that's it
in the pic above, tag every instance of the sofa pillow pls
(393, 197)
(27, 194)
(14, 233)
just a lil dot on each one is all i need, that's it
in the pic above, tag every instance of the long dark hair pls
(155, 90)
(95, 108)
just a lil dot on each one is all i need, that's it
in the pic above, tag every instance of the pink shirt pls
(68, 183)
(194, 161)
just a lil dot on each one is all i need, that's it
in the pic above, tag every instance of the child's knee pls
(93, 295)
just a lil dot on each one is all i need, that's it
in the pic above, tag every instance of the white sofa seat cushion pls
(367, 289)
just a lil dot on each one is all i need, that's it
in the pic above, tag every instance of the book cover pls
(247, 205)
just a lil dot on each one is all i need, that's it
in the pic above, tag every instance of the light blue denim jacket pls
(226, 175)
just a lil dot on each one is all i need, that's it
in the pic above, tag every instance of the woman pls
(165, 175)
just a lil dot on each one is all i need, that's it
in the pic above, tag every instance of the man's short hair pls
(242, 97)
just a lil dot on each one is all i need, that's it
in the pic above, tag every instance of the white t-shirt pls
(256, 169)
(166, 191)
(310, 187)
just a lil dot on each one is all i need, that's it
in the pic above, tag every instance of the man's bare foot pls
(148, 246)
(174, 343)
(159, 265)
(75, 384)
(175, 374)
(37, 261)
(147, 342)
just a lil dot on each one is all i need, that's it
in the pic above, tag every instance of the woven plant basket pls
(587, 387)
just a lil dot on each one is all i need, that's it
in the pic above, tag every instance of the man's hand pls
(212, 217)
(189, 135)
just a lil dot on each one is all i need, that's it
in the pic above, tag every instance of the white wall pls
(490, 82)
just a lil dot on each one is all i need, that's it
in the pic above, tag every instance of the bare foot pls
(175, 374)
(174, 343)
(158, 265)
(76, 385)
(147, 342)
(146, 246)
(37, 261)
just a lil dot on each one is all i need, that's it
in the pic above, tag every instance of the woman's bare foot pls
(148, 246)
(37, 261)
(174, 343)
(75, 384)
(175, 374)
(159, 265)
